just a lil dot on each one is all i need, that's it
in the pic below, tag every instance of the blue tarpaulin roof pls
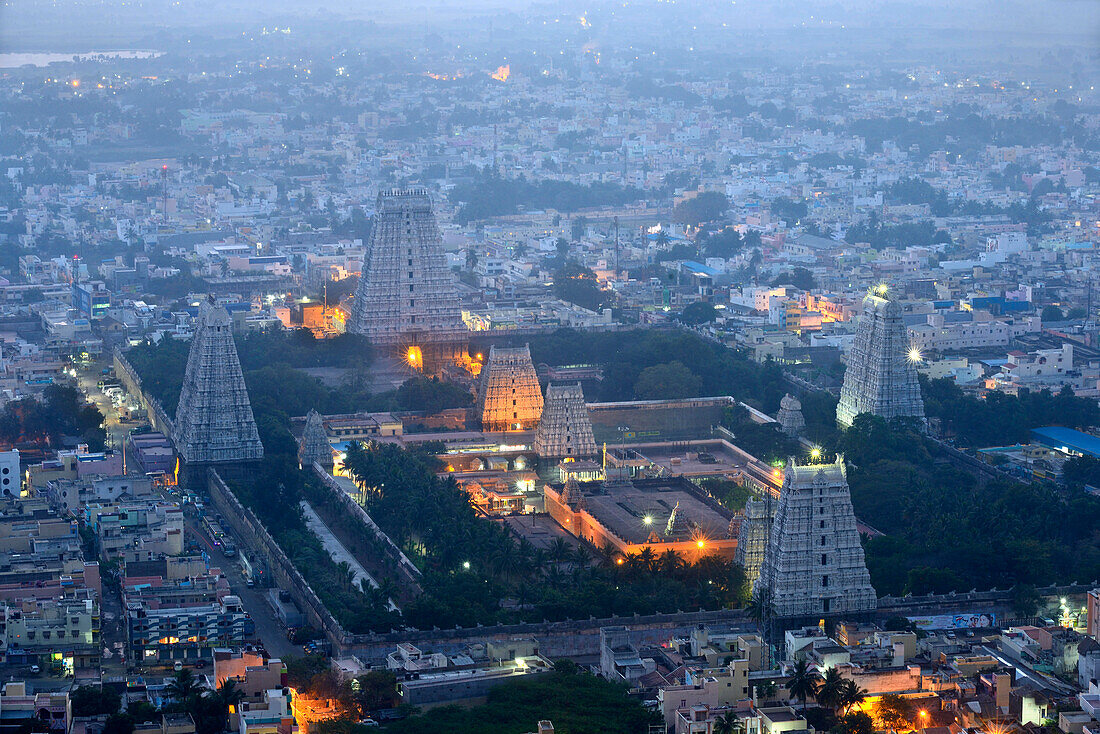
(1066, 438)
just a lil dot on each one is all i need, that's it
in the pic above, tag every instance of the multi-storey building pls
(186, 633)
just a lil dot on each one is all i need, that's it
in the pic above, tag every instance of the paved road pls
(269, 629)
(336, 549)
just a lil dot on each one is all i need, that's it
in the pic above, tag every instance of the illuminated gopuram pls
(814, 564)
(313, 445)
(565, 429)
(508, 396)
(753, 536)
(881, 377)
(214, 422)
(407, 302)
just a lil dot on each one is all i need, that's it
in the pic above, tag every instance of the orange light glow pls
(619, 561)
(75, 83)
(502, 73)
(414, 357)
(700, 543)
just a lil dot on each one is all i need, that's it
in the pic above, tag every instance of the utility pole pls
(164, 182)
(616, 246)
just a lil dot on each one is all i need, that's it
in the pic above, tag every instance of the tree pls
(227, 695)
(183, 686)
(856, 722)
(766, 691)
(374, 690)
(830, 693)
(667, 381)
(851, 695)
(800, 278)
(697, 313)
(93, 701)
(803, 682)
(705, 207)
(1052, 313)
(728, 723)
(893, 712)
(1025, 600)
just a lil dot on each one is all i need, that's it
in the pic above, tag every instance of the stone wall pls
(254, 535)
(406, 567)
(158, 416)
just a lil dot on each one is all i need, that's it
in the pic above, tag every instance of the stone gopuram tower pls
(509, 397)
(814, 565)
(313, 445)
(791, 420)
(880, 377)
(214, 422)
(407, 302)
(753, 536)
(565, 429)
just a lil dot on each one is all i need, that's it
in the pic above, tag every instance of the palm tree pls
(851, 695)
(560, 550)
(227, 695)
(728, 723)
(803, 682)
(184, 686)
(670, 562)
(830, 692)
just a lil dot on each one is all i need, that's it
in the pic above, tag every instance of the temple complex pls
(214, 422)
(565, 430)
(814, 563)
(407, 301)
(881, 376)
(314, 446)
(791, 420)
(663, 514)
(509, 397)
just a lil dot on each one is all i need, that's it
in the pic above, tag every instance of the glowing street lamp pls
(648, 520)
(815, 454)
(466, 565)
(914, 355)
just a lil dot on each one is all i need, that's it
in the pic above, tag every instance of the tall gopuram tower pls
(565, 429)
(508, 396)
(814, 565)
(881, 377)
(214, 422)
(753, 536)
(407, 301)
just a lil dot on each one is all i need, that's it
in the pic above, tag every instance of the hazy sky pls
(75, 25)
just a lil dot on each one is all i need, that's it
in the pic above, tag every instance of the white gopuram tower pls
(565, 429)
(881, 376)
(214, 422)
(407, 296)
(814, 564)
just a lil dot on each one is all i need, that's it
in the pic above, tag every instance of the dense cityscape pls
(661, 367)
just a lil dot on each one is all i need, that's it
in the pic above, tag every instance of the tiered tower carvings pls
(791, 420)
(880, 377)
(565, 429)
(407, 295)
(509, 396)
(814, 564)
(314, 445)
(753, 536)
(214, 421)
